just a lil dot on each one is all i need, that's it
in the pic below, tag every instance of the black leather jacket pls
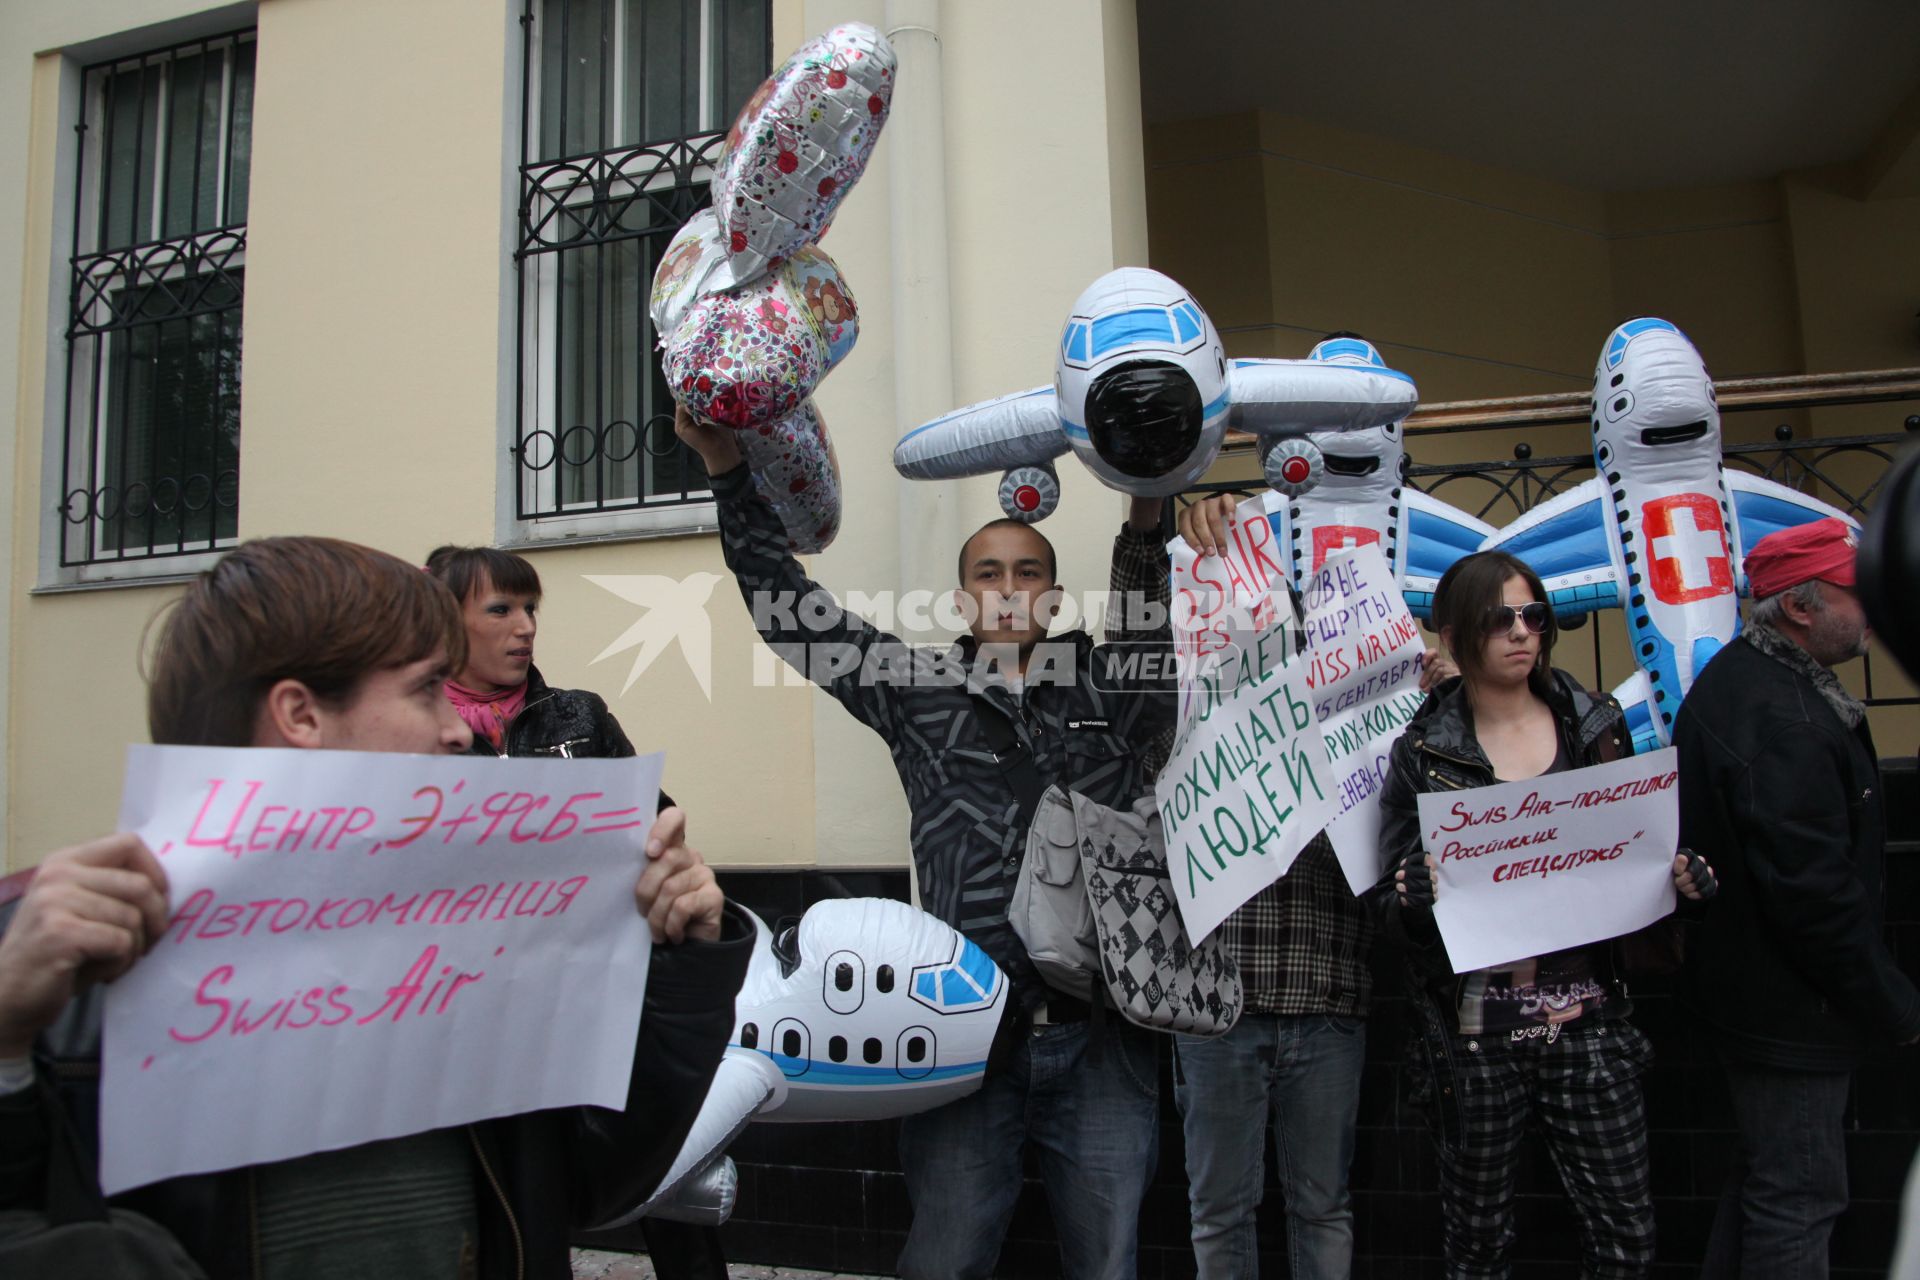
(538, 1177)
(1439, 752)
(560, 722)
(1790, 967)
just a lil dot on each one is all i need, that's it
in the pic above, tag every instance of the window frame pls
(89, 291)
(581, 202)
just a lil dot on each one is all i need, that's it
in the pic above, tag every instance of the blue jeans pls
(1303, 1072)
(1790, 1184)
(1095, 1125)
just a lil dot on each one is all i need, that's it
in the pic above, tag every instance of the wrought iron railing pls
(1844, 471)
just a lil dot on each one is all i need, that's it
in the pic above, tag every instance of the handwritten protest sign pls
(1247, 785)
(1527, 868)
(365, 946)
(1363, 653)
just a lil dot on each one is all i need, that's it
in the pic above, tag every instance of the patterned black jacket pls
(1086, 730)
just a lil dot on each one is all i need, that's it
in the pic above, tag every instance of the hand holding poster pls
(1363, 653)
(1527, 868)
(364, 946)
(1246, 787)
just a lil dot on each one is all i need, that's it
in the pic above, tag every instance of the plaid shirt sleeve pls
(1301, 943)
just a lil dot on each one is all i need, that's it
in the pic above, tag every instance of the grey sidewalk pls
(593, 1264)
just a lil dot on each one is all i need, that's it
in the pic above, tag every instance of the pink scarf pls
(488, 714)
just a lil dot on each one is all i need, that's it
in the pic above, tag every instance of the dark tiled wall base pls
(831, 1196)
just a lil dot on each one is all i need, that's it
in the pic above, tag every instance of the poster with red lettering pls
(363, 946)
(1524, 869)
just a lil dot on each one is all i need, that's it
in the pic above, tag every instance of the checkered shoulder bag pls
(1157, 978)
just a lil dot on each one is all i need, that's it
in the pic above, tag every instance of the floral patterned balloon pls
(793, 464)
(800, 142)
(749, 313)
(746, 356)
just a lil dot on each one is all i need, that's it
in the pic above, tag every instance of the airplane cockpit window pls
(1074, 342)
(1343, 347)
(1124, 328)
(1617, 345)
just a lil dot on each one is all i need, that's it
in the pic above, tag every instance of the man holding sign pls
(1301, 943)
(311, 643)
(1534, 1035)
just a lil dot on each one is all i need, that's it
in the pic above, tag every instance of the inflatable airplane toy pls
(1360, 499)
(868, 1009)
(1662, 531)
(1144, 394)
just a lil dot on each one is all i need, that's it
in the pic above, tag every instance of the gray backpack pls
(1094, 906)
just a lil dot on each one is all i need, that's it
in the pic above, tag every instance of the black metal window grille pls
(151, 453)
(623, 115)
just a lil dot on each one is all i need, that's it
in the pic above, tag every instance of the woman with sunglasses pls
(1547, 1038)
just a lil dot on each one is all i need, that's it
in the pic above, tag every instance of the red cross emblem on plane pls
(1687, 557)
(1329, 538)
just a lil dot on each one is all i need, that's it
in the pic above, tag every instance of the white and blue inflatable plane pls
(1361, 499)
(868, 1009)
(1662, 530)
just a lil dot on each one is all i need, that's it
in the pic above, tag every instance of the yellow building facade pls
(393, 360)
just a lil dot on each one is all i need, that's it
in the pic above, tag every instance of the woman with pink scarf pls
(513, 712)
(499, 692)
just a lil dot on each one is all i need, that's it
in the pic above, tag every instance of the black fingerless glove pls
(1704, 880)
(1418, 884)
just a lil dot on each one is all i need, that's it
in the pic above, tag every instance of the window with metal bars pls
(625, 107)
(150, 462)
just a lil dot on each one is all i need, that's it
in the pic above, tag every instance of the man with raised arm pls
(977, 732)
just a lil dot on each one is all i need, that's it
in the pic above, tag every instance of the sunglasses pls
(1499, 618)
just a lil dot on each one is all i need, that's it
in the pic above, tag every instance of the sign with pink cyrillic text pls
(1246, 787)
(1363, 666)
(364, 946)
(1523, 869)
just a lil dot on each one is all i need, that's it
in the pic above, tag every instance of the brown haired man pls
(315, 643)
